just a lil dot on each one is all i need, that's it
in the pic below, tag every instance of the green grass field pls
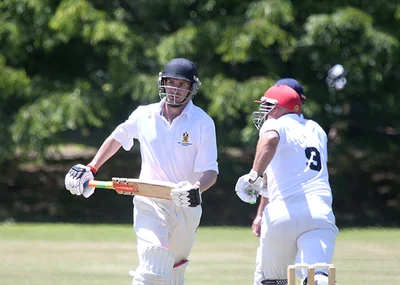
(48, 254)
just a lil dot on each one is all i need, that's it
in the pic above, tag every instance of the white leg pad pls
(178, 273)
(155, 266)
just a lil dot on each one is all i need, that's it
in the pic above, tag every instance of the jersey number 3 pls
(314, 158)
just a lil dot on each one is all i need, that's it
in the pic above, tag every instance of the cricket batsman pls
(298, 224)
(178, 145)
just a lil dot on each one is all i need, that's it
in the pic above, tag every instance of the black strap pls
(194, 197)
(275, 281)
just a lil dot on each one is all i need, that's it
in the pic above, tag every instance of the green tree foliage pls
(78, 65)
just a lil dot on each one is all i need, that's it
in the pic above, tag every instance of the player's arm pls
(207, 180)
(264, 199)
(78, 177)
(256, 226)
(109, 147)
(249, 185)
(188, 195)
(263, 202)
(266, 148)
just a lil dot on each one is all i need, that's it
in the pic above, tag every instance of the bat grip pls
(100, 184)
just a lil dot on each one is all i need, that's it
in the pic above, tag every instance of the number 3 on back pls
(314, 158)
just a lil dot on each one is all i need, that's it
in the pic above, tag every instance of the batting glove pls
(186, 195)
(77, 180)
(246, 191)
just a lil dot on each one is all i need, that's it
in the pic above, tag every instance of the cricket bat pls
(133, 186)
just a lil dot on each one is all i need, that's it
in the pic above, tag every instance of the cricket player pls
(310, 124)
(263, 201)
(177, 144)
(298, 224)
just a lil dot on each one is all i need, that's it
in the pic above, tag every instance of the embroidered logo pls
(185, 139)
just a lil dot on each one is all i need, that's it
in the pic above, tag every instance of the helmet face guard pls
(181, 69)
(266, 106)
(172, 98)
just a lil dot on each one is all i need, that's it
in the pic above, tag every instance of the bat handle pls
(100, 184)
(91, 183)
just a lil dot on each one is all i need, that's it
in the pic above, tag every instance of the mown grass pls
(47, 254)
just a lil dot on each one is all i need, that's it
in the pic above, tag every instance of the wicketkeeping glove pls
(248, 192)
(77, 179)
(186, 195)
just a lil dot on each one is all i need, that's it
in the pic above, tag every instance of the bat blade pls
(132, 186)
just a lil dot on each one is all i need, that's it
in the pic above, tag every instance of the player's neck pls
(170, 113)
(277, 113)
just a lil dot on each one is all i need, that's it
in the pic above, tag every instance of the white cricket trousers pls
(299, 229)
(158, 222)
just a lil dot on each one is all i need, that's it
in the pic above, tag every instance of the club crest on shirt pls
(185, 139)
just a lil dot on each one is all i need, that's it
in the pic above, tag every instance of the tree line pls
(71, 70)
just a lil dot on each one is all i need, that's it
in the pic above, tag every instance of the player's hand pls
(186, 195)
(248, 192)
(256, 226)
(78, 178)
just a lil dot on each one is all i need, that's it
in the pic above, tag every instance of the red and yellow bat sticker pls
(125, 189)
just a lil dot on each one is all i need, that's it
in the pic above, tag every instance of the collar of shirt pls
(292, 116)
(187, 110)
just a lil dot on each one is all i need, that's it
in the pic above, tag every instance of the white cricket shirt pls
(299, 166)
(318, 130)
(175, 152)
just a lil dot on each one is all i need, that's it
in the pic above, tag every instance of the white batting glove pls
(78, 178)
(246, 191)
(186, 195)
